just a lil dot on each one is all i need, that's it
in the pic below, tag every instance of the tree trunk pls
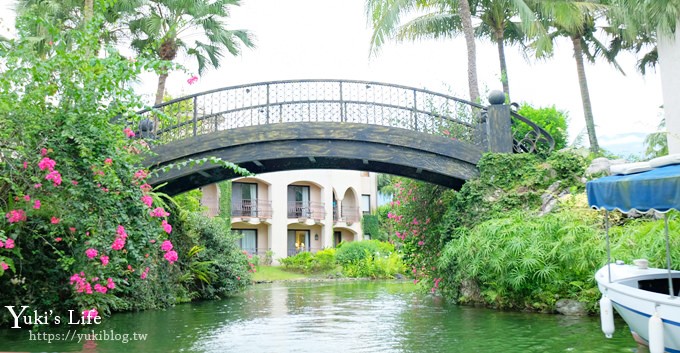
(504, 68)
(585, 96)
(160, 91)
(88, 10)
(468, 31)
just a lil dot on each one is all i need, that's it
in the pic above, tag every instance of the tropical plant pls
(443, 18)
(168, 28)
(576, 20)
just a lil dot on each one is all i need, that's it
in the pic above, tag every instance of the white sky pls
(300, 39)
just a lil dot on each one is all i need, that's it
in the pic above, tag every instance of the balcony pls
(349, 214)
(302, 209)
(251, 209)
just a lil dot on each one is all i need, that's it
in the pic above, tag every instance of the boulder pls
(571, 307)
(598, 166)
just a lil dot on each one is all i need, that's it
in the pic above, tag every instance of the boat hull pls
(636, 305)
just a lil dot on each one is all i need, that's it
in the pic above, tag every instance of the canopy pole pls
(668, 256)
(609, 252)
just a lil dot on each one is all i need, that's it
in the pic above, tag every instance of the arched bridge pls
(330, 124)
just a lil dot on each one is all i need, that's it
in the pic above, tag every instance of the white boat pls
(637, 294)
(646, 298)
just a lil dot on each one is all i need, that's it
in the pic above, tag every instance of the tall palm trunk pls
(468, 31)
(160, 90)
(504, 67)
(88, 10)
(585, 96)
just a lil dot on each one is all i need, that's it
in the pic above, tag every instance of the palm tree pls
(496, 23)
(575, 20)
(45, 20)
(444, 18)
(195, 27)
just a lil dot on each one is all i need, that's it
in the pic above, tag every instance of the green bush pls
(379, 266)
(549, 118)
(359, 250)
(527, 262)
(307, 262)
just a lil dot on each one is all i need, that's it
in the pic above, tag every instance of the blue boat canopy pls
(654, 190)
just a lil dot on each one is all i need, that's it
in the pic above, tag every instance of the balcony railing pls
(349, 214)
(306, 209)
(294, 251)
(255, 251)
(251, 208)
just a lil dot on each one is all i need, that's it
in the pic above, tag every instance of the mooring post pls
(499, 129)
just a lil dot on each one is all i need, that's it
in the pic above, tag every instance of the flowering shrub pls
(79, 216)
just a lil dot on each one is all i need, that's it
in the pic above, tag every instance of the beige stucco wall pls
(274, 187)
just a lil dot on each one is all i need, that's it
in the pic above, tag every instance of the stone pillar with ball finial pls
(499, 128)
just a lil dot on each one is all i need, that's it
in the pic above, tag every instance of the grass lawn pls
(275, 273)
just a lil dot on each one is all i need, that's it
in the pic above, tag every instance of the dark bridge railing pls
(328, 101)
(318, 101)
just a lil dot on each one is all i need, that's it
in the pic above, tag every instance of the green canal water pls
(355, 316)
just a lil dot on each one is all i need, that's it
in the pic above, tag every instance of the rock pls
(398, 276)
(549, 198)
(571, 307)
(598, 166)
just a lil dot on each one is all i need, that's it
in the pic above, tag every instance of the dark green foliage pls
(216, 267)
(371, 226)
(549, 118)
(225, 200)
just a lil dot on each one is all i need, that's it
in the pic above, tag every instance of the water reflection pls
(358, 316)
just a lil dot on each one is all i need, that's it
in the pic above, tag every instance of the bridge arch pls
(328, 124)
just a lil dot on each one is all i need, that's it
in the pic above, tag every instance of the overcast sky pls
(300, 39)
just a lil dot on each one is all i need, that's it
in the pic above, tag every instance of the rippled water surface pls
(356, 316)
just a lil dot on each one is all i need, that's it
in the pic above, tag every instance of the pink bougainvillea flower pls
(118, 244)
(104, 259)
(43, 151)
(14, 216)
(193, 79)
(9, 243)
(145, 273)
(141, 174)
(37, 186)
(91, 253)
(152, 241)
(57, 239)
(147, 200)
(166, 226)
(47, 163)
(55, 177)
(166, 246)
(128, 132)
(74, 182)
(90, 314)
(110, 284)
(27, 198)
(145, 187)
(101, 289)
(159, 212)
(108, 161)
(4, 266)
(421, 243)
(2, 245)
(171, 256)
(121, 232)
(25, 165)
(130, 268)
(72, 229)
(55, 220)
